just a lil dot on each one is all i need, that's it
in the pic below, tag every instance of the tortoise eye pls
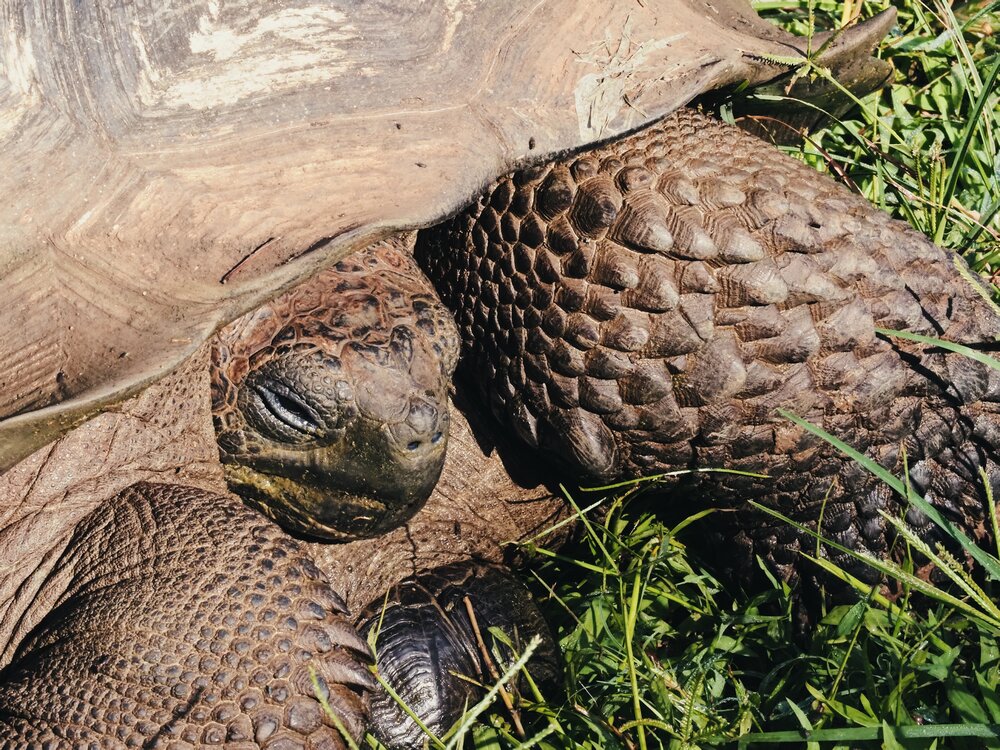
(287, 408)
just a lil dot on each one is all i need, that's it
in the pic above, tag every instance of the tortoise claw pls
(436, 648)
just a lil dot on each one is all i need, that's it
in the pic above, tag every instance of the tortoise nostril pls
(413, 445)
(437, 438)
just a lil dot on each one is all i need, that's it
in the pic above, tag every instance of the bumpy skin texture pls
(180, 618)
(331, 402)
(429, 650)
(649, 305)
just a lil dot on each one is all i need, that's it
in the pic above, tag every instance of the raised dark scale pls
(651, 304)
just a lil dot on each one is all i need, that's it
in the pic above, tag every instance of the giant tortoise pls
(744, 278)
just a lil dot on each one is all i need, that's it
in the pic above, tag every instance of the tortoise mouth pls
(326, 513)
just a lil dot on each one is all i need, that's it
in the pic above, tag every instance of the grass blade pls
(971, 124)
(951, 346)
(989, 563)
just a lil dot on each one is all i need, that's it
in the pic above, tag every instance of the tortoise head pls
(331, 403)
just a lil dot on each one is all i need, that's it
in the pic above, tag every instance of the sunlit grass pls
(926, 148)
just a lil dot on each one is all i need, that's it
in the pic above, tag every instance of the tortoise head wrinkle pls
(331, 403)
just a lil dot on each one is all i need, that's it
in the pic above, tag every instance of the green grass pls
(926, 148)
(658, 652)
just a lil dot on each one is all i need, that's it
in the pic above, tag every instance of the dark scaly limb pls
(650, 304)
(180, 618)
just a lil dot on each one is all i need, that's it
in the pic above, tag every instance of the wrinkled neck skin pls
(163, 435)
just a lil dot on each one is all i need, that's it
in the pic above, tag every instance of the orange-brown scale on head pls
(331, 402)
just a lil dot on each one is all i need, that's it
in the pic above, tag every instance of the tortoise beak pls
(365, 485)
(328, 514)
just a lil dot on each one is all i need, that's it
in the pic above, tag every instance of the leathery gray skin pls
(331, 402)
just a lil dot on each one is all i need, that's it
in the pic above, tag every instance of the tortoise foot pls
(436, 647)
